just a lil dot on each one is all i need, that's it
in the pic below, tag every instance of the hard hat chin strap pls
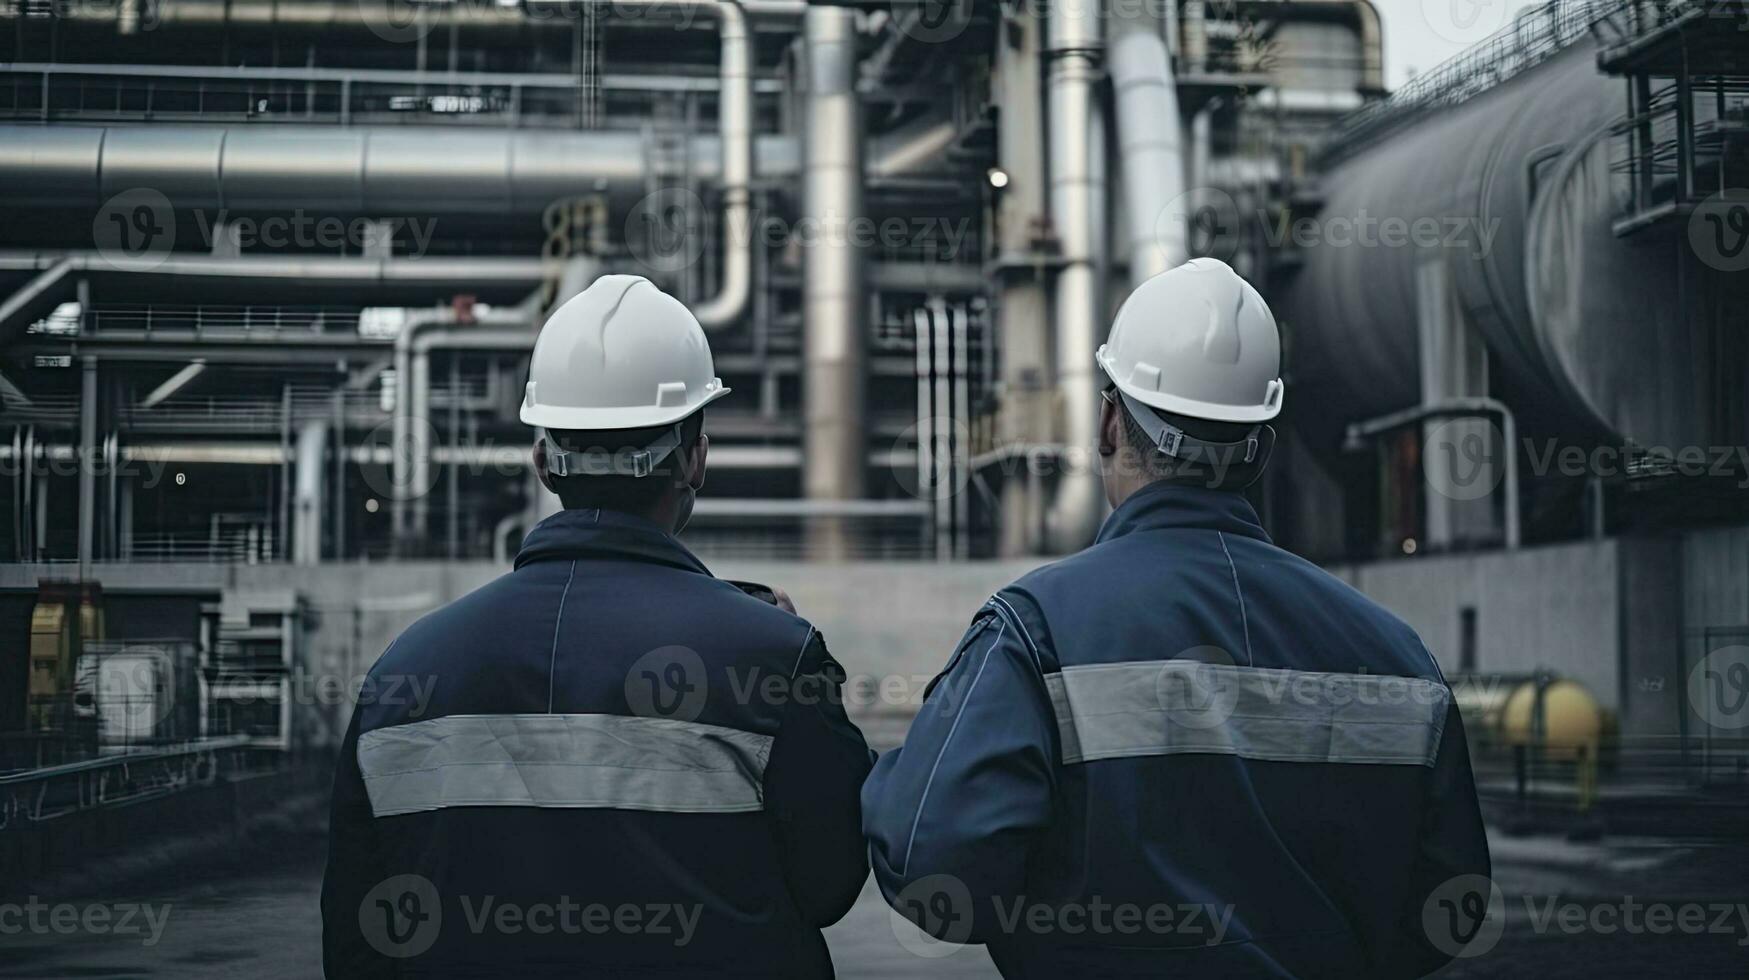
(639, 462)
(1178, 444)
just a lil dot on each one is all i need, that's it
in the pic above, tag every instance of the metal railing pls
(1536, 35)
(351, 96)
(36, 795)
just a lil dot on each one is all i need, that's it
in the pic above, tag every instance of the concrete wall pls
(892, 624)
(1610, 614)
(1553, 608)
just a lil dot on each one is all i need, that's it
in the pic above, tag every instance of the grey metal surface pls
(833, 303)
(1150, 140)
(735, 130)
(1631, 331)
(351, 170)
(1077, 207)
(1468, 171)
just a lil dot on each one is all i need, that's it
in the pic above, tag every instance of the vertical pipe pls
(834, 354)
(88, 456)
(735, 128)
(306, 548)
(942, 398)
(1077, 203)
(1022, 304)
(1150, 140)
(452, 527)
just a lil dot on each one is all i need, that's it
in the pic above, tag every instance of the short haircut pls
(628, 494)
(1156, 465)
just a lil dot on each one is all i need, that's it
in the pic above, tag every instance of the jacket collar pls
(608, 535)
(1164, 505)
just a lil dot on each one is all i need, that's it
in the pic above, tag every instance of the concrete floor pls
(264, 925)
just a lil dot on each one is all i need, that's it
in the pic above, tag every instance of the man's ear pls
(696, 462)
(540, 465)
(1110, 427)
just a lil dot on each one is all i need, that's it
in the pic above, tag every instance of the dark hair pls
(1156, 465)
(629, 494)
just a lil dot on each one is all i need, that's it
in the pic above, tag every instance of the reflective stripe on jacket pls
(605, 763)
(1181, 752)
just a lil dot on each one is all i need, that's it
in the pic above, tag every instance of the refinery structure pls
(270, 273)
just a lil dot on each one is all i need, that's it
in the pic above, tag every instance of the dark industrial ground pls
(254, 914)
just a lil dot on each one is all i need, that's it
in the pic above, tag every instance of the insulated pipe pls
(1077, 202)
(388, 19)
(735, 128)
(1194, 23)
(1150, 140)
(377, 170)
(833, 347)
(911, 149)
(307, 500)
(411, 429)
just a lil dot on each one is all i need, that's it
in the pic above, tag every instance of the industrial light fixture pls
(998, 177)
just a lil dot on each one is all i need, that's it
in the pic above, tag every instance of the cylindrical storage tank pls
(1456, 188)
(1558, 718)
(1633, 330)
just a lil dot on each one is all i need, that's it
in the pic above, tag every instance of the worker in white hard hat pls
(646, 768)
(1184, 751)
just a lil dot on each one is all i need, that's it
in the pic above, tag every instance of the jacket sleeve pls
(812, 784)
(352, 871)
(1452, 859)
(952, 816)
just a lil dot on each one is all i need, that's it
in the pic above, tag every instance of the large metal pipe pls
(735, 129)
(1150, 139)
(307, 499)
(391, 20)
(411, 429)
(1077, 202)
(383, 170)
(833, 347)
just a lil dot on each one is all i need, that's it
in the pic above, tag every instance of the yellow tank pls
(1571, 723)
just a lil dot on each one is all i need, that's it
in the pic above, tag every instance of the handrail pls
(199, 747)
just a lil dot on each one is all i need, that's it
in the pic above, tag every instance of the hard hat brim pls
(1191, 408)
(598, 419)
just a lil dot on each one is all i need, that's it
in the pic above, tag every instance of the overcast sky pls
(1419, 34)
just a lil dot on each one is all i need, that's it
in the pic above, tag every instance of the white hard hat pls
(621, 354)
(1197, 341)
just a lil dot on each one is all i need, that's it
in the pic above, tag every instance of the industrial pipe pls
(735, 128)
(833, 346)
(1150, 138)
(386, 18)
(307, 501)
(1077, 203)
(411, 428)
(382, 170)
